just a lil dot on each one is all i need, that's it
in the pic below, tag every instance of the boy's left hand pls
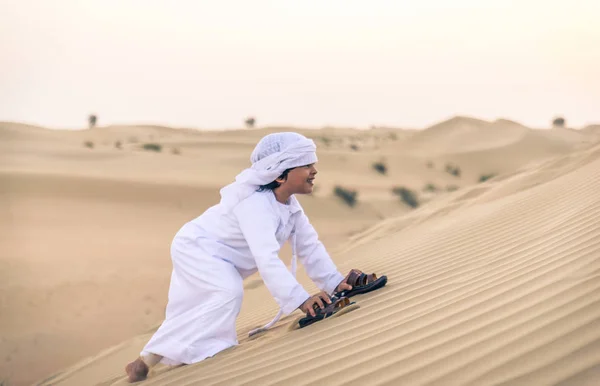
(343, 286)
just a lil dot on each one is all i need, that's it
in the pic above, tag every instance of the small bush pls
(118, 145)
(380, 167)
(152, 147)
(558, 122)
(89, 144)
(453, 169)
(326, 141)
(430, 188)
(347, 195)
(429, 165)
(451, 188)
(250, 122)
(175, 151)
(92, 120)
(354, 147)
(408, 196)
(485, 177)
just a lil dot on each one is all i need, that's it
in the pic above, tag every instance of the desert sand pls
(490, 282)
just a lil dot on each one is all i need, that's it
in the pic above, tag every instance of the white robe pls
(211, 256)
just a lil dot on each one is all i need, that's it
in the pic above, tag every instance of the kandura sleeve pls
(314, 257)
(258, 223)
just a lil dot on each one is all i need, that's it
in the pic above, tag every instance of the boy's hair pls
(274, 184)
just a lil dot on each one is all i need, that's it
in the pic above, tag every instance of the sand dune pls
(504, 289)
(463, 134)
(593, 131)
(496, 282)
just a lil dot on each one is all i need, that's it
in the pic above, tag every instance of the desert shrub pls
(380, 167)
(453, 169)
(118, 145)
(354, 147)
(451, 188)
(250, 122)
(485, 177)
(430, 188)
(89, 144)
(393, 136)
(132, 139)
(152, 147)
(92, 119)
(407, 196)
(347, 195)
(558, 122)
(429, 165)
(175, 151)
(326, 141)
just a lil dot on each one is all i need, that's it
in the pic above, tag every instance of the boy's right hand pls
(319, 299)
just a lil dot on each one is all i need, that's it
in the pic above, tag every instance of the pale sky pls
(311, 63)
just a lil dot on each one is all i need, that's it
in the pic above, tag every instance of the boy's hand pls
(319, 299)
(344, 284)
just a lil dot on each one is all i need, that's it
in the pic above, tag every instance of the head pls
(298, 180)
(283, 162)
(299, 172)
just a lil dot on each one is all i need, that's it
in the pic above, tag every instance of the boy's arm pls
(314, 257)
(258, 225)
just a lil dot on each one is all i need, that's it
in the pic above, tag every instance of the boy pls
(213, 253)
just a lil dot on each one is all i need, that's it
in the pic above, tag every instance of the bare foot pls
(137, 370)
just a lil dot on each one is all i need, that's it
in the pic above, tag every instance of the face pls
(299, 180)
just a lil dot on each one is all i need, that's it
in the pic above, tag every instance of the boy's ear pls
(281, 180)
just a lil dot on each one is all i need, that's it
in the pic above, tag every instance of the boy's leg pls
(151, 359)
(205, 296)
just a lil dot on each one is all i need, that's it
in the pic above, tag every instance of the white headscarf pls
(273, 154)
